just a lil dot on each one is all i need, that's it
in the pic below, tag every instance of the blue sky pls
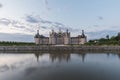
(20, 18)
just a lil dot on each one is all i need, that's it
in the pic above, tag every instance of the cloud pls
(29, 29)
(47, 5)
(32, 19)
(1, 5)
(29, 26)
(15, 25)
(101, 34)
(5, 21)
(100, 18)
(59, 24)
(44, 27)
(36, 19)
(22, 26)
(95, 25)
(19, 26)
(46, 2)
(46, 24)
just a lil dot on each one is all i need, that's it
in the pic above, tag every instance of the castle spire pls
(37, 31)
(52, 30)
(82, 32)
(83, 35)
(59, 30)
(67, 30)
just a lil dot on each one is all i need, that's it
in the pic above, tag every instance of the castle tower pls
(52, 30)
(83, 35)
(37, 31)
(52, 39)
(67, 31)
(67, 37)
(83, 38)
(60, 30)
(36, 38)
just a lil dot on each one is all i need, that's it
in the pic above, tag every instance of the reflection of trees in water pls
(118, 55)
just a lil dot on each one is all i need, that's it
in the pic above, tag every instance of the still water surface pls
(57, 66)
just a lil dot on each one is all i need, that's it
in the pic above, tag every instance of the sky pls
(20, 19)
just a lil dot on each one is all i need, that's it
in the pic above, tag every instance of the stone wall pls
(59, 48)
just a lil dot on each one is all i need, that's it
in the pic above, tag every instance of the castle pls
(60, 38)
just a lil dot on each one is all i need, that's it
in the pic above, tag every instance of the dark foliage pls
(7, 43)
(114, 40)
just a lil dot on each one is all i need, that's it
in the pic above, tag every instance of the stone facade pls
(60, 38)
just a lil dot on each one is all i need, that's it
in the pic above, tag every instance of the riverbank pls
(59, 48)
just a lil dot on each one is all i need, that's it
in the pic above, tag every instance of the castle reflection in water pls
(65, 56)
(60, 56)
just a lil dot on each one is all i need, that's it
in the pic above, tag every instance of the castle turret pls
(67, 31)
(52, 30)
(83, 34)
(67, 37)
(36, 38)
(52, 39)
(83, 38)
(60, 30)
(37, 31)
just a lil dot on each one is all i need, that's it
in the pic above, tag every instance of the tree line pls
(10, 43)
(114, 40)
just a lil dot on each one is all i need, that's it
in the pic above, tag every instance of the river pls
(60, 66)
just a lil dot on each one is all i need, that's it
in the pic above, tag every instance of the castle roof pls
(39, 36)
